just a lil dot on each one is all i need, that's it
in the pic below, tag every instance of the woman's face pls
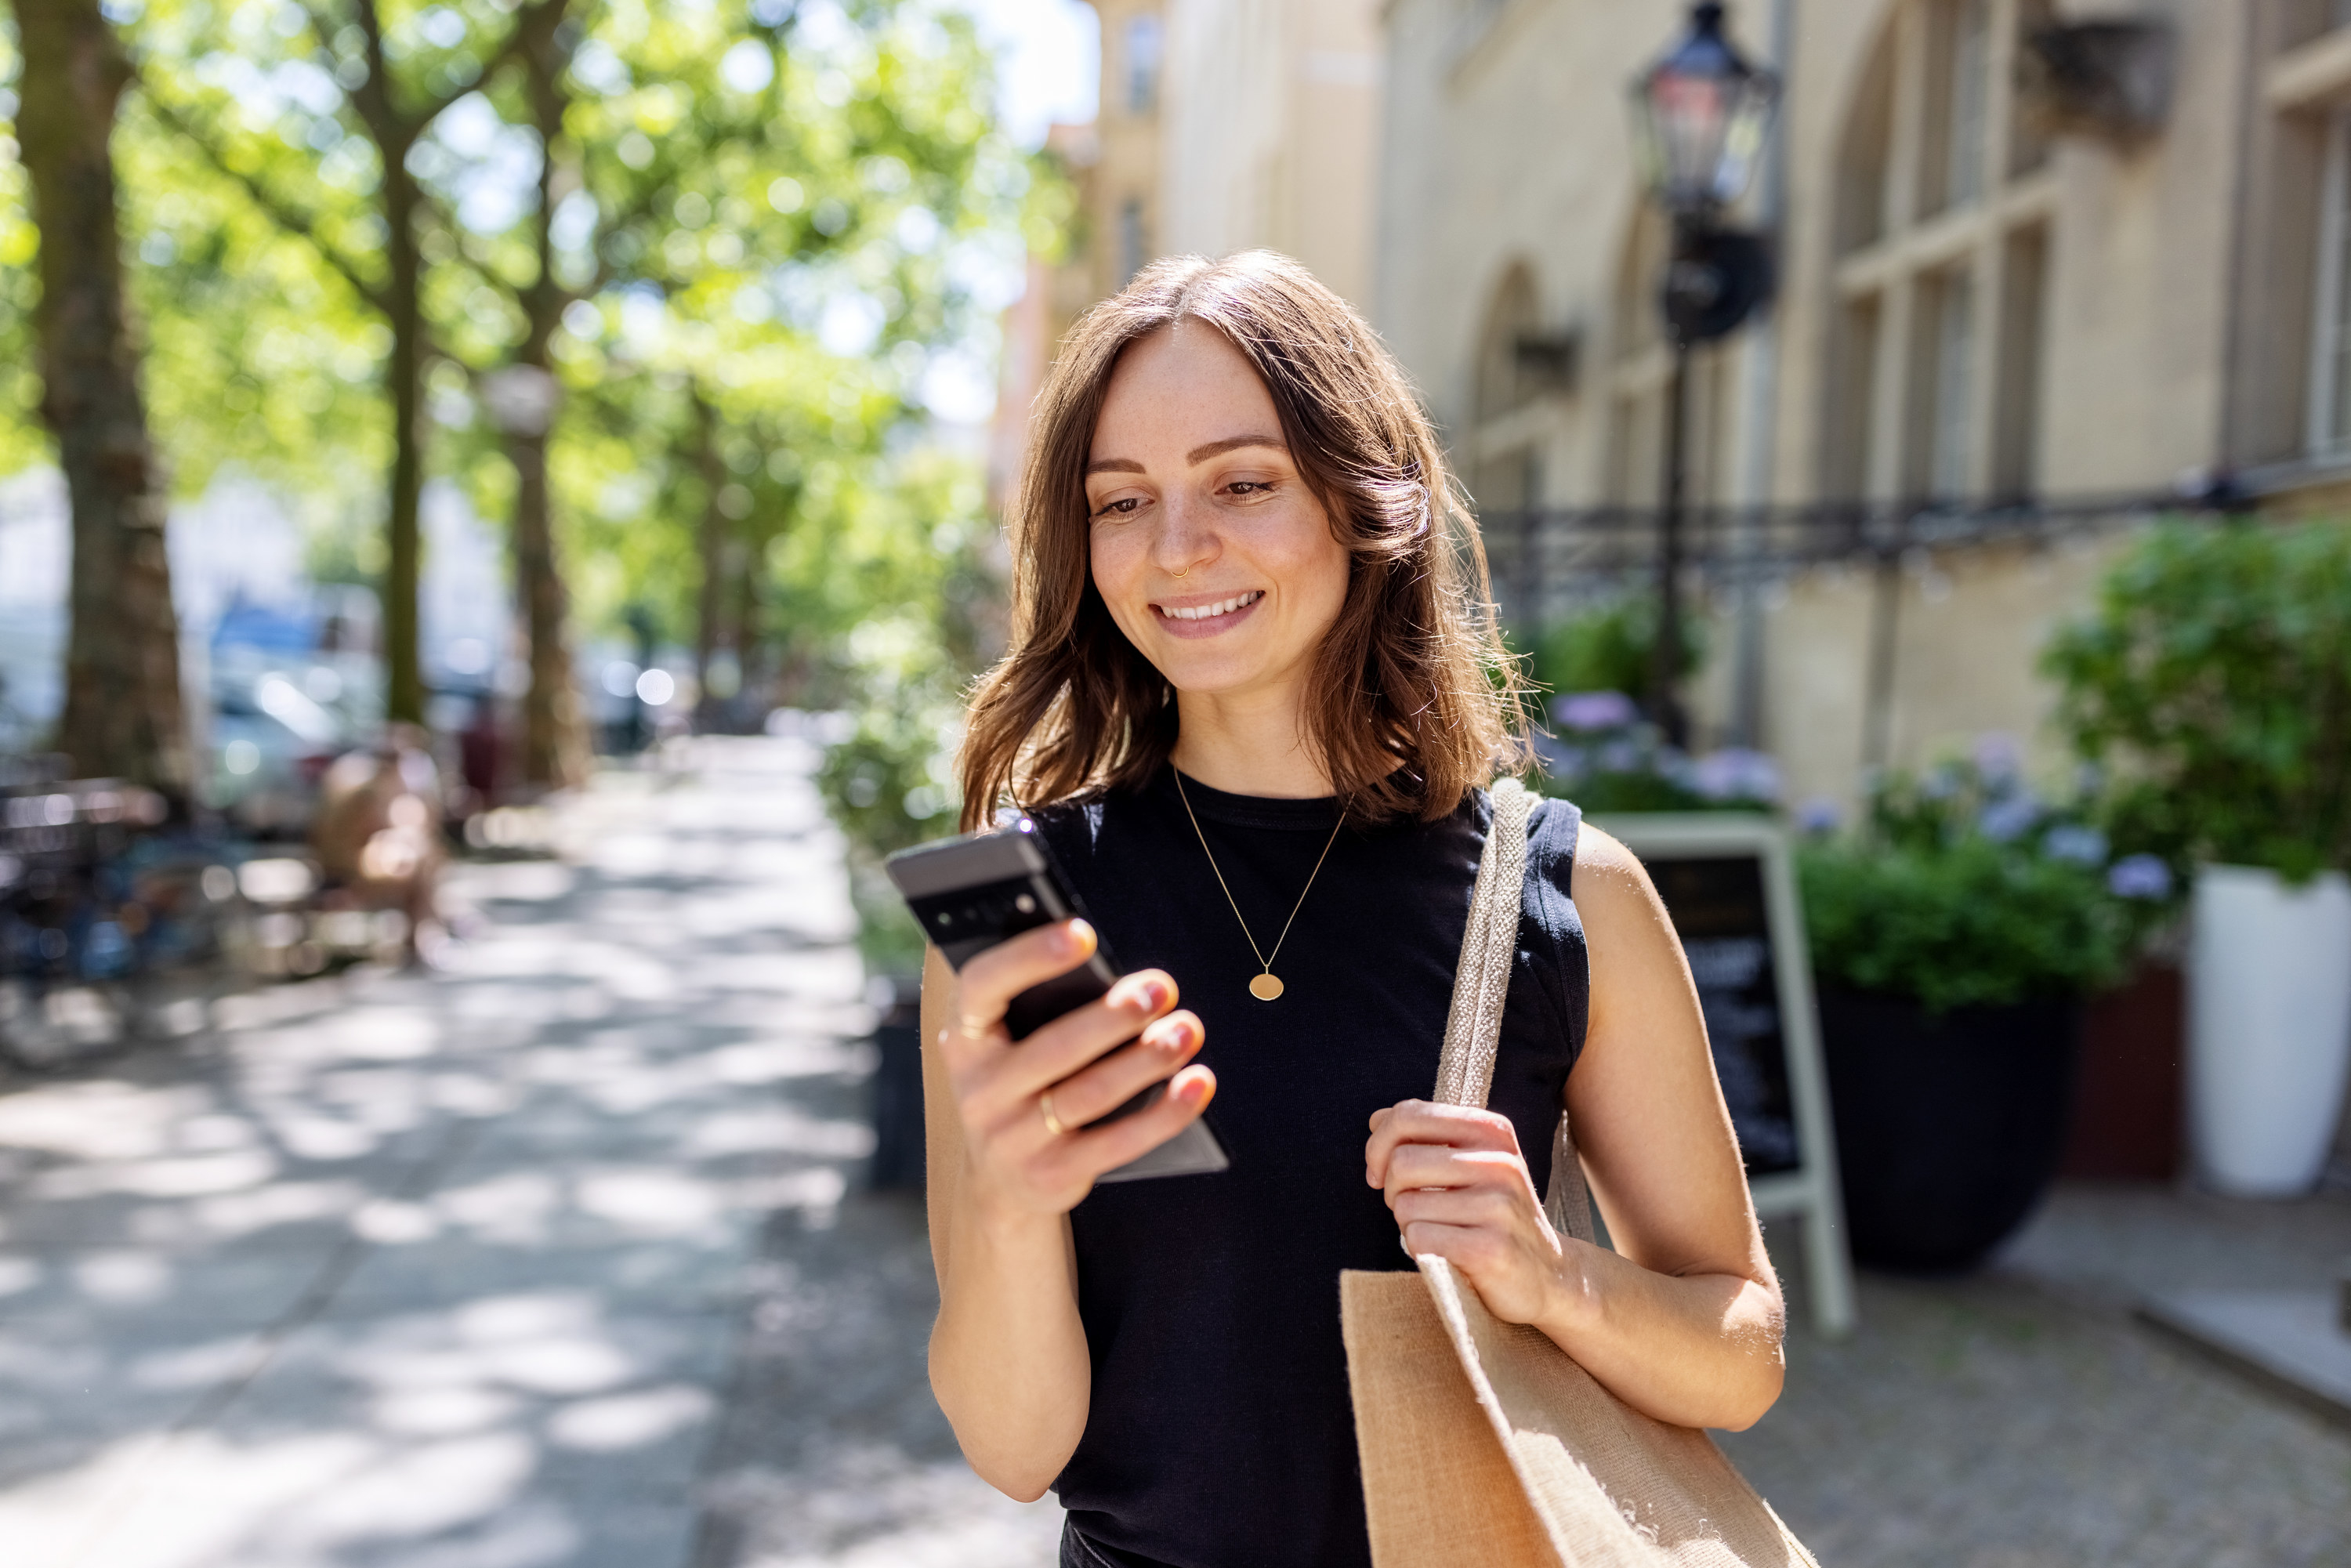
(1215, 559)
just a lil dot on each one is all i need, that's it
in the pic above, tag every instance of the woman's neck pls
(1252, 743)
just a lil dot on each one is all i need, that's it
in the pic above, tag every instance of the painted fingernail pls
(1153, 996)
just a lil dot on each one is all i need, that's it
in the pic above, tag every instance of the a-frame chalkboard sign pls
(1728, 880)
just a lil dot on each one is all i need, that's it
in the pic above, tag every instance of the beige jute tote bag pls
(1483, 1445)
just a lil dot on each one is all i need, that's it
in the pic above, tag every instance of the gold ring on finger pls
(1045, 1105)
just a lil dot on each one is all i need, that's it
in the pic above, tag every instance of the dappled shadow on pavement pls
(833, 1450)
(447, 1270)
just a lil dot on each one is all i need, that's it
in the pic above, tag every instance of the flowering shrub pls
(1604, 757)
(2214, 680)
(1965, 887)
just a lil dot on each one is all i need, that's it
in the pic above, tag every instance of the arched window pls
(1522, 371)
(1507, 476)
(1640, 374)
(1941, 227)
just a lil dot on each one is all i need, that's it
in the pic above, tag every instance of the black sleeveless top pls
(1220, 1432)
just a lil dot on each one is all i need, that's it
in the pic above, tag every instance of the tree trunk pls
(403, 666)
(707, 611)
(555, 731)
(745, 627)
(123, 714)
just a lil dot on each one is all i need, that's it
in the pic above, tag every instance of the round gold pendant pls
(1266, 987)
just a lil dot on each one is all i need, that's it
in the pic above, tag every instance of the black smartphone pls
(968, 893)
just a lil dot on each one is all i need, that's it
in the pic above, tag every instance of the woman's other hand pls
(1004, 1093)
(1458, 1186)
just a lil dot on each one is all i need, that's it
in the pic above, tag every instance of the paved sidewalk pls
(2021, 1418)
(450, 1272)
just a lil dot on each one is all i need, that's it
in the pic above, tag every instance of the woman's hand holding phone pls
(1014, 1159)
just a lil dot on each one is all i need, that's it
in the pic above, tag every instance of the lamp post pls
(1698, 119)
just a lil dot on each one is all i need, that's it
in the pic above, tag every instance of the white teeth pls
(1221, 607)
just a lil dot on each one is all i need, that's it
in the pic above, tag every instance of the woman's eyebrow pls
(1202, 453)
(1198, 455)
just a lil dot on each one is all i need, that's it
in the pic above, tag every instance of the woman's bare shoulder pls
(1610, 878)
(1624, 921)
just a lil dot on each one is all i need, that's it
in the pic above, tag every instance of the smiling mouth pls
(1210, 611)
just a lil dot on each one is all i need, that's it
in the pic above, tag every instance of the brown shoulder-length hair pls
(1414, 700)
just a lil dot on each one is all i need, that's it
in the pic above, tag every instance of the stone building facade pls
(1222, 125)
(1227, 124)
(1998, 284)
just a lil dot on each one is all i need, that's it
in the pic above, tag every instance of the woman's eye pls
(1124, 507)
(1248, 487)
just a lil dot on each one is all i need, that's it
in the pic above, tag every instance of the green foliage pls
(1607, 648)
(22, 440)
(1969, 925)
(1963, 888)
(2214, 680)
(768, 221)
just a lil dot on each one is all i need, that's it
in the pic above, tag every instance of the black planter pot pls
(1948, 1129)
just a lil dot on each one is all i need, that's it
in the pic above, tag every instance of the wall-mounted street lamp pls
(1699, 115)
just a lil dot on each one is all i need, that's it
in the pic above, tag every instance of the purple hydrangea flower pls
(2140, 877)
(2009, 819)
(1620, 757)
(1595, 710)
(1735, 773)
(1818, 815)
(1562, 762)
(1998, 755)
(2073, 841)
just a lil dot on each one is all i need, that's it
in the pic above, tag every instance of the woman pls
(1252, 696)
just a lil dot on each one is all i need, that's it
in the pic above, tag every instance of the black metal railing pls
(1547, 562)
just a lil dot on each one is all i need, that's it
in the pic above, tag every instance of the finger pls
(1483, 1205)
(990, 980)
(1108, 1147)
(1080, 1036)
(1420, 1122)
(1115, 1078)
(1467, 1247)
(1417, 1165)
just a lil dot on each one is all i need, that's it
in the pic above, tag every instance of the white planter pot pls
(2269, 1027)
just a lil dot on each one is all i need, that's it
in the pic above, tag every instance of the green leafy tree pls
(317, 110)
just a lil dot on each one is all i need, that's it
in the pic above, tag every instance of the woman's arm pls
(1683, 1321)
(1009, 1360)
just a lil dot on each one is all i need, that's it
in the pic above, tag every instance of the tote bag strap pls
(1473, 1027)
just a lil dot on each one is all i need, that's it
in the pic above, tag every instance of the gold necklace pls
(1267, 987)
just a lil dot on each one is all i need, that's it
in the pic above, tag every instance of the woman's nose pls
(1181, 545)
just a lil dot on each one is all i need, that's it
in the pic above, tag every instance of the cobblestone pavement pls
(560, 1259)
(2020, 1418)
(450, 1270)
